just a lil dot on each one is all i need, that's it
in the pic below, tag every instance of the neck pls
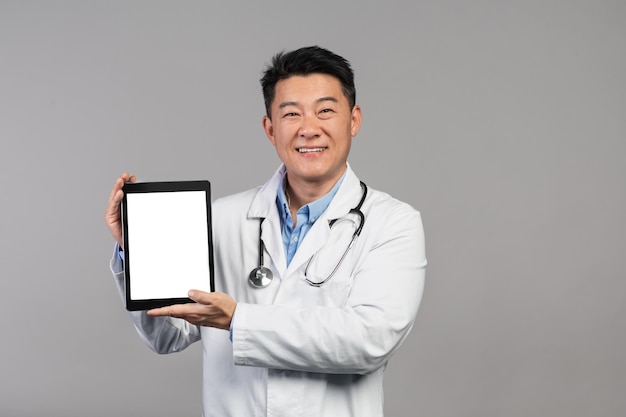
(302, 193)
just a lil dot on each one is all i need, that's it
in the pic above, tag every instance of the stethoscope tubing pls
(261, 276)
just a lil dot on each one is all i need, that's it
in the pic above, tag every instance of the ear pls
(355, 123)
(269, 129)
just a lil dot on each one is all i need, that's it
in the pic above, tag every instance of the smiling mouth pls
(310, 150)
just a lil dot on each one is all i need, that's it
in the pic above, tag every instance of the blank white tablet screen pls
(168, 244)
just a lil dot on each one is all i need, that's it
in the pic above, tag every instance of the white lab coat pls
(299, 350)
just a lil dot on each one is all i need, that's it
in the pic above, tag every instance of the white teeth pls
(310, 150)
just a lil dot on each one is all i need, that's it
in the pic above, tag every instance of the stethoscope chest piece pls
(260, 277)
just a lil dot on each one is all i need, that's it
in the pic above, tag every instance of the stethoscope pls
(261, 276)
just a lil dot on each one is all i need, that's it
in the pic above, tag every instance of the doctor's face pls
(312, 126)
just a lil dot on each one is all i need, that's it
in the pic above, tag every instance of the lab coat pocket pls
(330, 294)
(334, 293)
(326, 283)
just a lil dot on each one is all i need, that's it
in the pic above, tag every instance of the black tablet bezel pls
(166, 186)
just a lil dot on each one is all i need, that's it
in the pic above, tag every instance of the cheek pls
(284, 136)
(282, 147)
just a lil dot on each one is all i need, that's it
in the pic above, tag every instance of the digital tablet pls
(168, 248)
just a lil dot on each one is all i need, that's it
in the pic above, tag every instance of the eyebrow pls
(319, 100)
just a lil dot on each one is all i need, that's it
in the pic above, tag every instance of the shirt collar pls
(313, 210)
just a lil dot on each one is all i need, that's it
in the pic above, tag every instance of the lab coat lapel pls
(264, 206)
(273, 241)
(347, 197)
(313, 241)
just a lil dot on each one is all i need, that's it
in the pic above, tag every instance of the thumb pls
(201, 297)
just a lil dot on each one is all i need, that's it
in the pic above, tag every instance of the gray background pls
(502, 122)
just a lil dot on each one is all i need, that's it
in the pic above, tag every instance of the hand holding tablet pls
(212, 309)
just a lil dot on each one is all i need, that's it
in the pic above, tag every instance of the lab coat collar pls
(264, 203)
(347, 197)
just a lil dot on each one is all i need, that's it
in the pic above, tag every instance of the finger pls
(221, 302)
(115, 200)
(112, 212)
(201, 297)
(155, 312)
(121, 180)
(176, 310)
(128, 178)
(162, 312)
(117, 193)
(117, 185)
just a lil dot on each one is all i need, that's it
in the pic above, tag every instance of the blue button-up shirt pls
(305, 217)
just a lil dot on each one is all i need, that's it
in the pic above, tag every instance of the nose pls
(309, 128)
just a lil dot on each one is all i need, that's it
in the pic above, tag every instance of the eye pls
(290, 114)
(325, 113)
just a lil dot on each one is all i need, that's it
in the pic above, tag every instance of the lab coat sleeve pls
(358, 337)
(161, 334)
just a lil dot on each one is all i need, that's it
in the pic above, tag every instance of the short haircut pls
(306, 61)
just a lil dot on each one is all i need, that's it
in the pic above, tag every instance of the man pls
(315, 339)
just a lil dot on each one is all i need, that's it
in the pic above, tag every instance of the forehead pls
(303, 88)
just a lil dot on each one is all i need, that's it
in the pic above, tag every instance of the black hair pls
(306, 61)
